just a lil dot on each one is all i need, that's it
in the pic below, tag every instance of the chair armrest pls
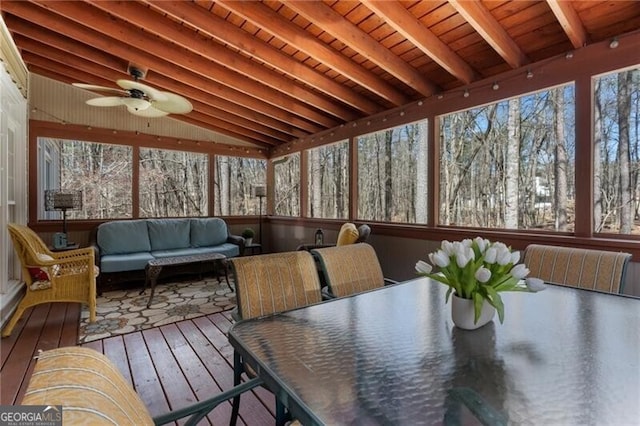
(309, 247)
(389, 281)
(96, 254)
(237, 240)
(326, 293)
(71, 262)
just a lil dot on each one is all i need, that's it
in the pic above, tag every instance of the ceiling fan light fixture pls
(136, 104)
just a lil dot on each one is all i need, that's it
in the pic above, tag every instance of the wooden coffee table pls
(154, 267)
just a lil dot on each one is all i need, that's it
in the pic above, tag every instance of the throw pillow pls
(40, 276)
(348, 234)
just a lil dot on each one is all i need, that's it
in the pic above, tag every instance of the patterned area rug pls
(120, 312)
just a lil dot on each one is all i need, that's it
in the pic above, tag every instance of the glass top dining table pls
(393, 356)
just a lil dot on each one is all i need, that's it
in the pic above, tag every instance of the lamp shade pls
(260, 190)
(58, 199)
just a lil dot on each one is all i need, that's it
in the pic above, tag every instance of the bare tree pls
(560, 163)
(512, 165)
(421, 195)
(597, 161)
(624, 111)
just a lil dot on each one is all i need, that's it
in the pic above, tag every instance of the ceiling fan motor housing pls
(136, 73)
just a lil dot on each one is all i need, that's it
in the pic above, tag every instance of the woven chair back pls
(271, 283)
(350, 269)
(592, 269)
(26, 243)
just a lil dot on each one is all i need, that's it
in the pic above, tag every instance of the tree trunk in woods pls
(421, 196)
(512, 165)
(388, 188)
(624, 112)
(598, 143)
(560, 163)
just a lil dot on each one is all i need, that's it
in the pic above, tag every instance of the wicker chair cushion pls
(348, 234)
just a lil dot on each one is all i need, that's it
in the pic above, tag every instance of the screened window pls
(287, 185)
(616, 184)
(101, 171)
(510, 164)
(328, 171)
(235, 180)
(173, 183)
(392, 174)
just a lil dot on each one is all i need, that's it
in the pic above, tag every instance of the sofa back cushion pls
(167, 234)
(123, 236)
(207, 232)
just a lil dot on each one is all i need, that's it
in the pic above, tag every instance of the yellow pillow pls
(348, 234)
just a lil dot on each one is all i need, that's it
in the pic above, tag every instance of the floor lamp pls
(260, 192)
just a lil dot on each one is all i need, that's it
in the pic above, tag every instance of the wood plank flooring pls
(170, 366)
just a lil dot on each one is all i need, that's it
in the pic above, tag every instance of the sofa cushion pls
(123, 236)
(228, 249)
(124, 262)
(207, 232)
(167, 234)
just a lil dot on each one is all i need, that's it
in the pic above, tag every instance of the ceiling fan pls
(140, 99)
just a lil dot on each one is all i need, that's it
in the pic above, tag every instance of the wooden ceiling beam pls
(339, 27)
(404, 22)
(135, 38)
(477, 15)
(90, 37)
(155, 23)
(570, 22)
(56, 62)
(23, 30)
(69, 76)
(281, 28)
(25, 34)
(225, 32)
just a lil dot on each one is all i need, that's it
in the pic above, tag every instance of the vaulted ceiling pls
(274, 71)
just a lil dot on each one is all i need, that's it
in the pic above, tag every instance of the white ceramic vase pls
(248, 241)
(462, 313)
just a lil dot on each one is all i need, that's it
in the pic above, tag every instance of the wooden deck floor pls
(170, 367)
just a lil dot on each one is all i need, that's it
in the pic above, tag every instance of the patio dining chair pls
(68, 276)
(575, 267)
(269, 284)
(350, 269)
(93, 391)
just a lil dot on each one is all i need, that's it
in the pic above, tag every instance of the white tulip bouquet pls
(479, 270)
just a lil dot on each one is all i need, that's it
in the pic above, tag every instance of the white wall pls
(13, 186)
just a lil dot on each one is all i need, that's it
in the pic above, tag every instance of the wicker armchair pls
(68, 276)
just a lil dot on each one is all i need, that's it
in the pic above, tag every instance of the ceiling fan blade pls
(150, 92)
(150, 112)
(106, 101)
(175, 104)
(101, 88)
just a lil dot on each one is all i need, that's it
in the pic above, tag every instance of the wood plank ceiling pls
(274, 71)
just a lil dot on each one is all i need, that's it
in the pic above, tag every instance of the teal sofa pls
(124, 247)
